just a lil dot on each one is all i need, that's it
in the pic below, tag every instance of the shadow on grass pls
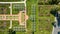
(54, 24)
(11, 31)
(54, 11)
(52, 2)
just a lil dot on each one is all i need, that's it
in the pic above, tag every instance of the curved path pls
(57, 28)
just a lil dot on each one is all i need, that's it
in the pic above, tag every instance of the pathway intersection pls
(17, 17)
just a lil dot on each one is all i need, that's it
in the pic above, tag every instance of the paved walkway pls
(56, 29)
(13, 2)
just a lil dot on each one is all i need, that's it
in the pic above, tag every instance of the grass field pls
(15, 23)
(29, 13)
(5, 23)
(17, 7)
(20, 28)
(44, 18)
(4, 9)
(4, 27)
(20, 32)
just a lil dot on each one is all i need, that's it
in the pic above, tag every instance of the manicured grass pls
(21, 28)
(29, 13)
(5, 30)
(15, 23)
(5, 23)
(45, 19)
(4, 9)
(42, 19)
(20, 32)
(17, 7)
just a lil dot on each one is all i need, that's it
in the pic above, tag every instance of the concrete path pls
(56, 29)
(13, 2)
(10, 24)
(10, 8)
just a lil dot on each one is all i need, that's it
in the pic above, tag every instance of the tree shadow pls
(49, 2)
(54, 11)
(53, 23)
(52, 2)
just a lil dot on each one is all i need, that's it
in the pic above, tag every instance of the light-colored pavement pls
(10, 24)
(8, 17)
(56, 29)
(10, 8)
(13, 2)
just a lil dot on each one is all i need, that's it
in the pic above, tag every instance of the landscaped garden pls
(16, 8)
(4, 9)
(44, 18)
(4, 27)
(40, 19)
(31, 12)
(18, 28)
(48, 2)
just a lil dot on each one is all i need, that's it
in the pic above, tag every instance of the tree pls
(53, 2)
(11, 31)
(54, 11)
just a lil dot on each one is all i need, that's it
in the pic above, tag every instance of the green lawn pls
(29, 13)
(4, 9)
(20, 27)
(15, 23)
(43, 21)
(5, 22)
(4, 27)
(17, 7)
(20, 32)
